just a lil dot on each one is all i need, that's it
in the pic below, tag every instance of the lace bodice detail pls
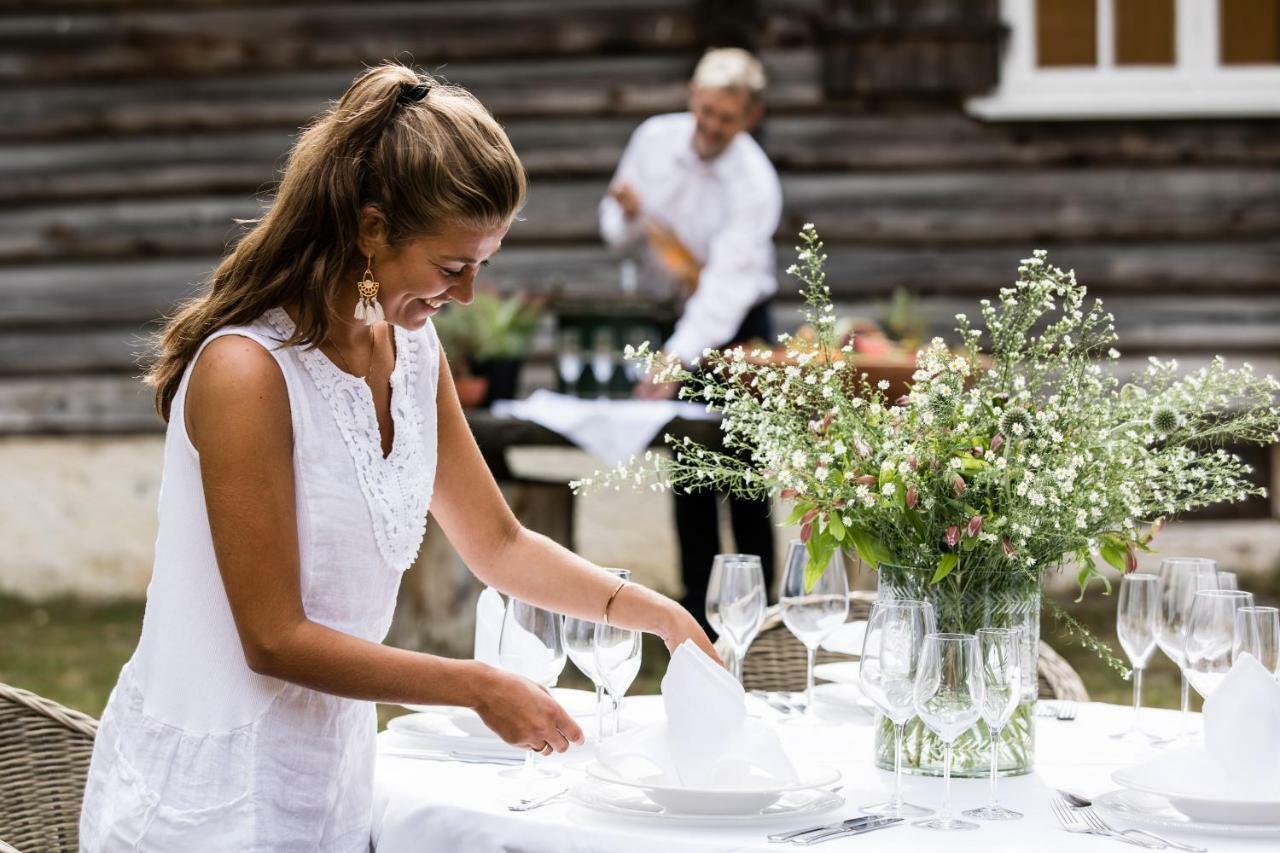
(397, 488)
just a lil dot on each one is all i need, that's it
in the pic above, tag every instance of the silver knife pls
(851, 823)
(877, 823)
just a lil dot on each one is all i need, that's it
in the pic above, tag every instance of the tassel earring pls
(368, 309)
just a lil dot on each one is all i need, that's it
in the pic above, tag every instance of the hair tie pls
(413, 94)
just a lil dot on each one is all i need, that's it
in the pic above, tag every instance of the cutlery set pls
(1064, 710)
(832, 831)
(1077, 815)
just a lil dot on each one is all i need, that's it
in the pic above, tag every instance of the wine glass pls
(569, 359)
(948, 697)
(887, 675)
(1000, 651)
(603, 359)
(579, 644)
(617, 659)
(812, 611)
(1211, 637)
(636, 336)
(531, 645)
(1180, 579)
(1258, 633)
(736, 603)
(1137, 617)
(1227, 580)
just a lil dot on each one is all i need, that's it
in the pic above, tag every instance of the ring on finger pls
(546, 748)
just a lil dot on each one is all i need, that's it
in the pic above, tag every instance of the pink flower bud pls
(1007, 547)
(787, 494)
(867, 480)
(913, 463)
(912, 497)
(976, 451)
(953, 536)
(805, 530)
(997, 443)
(957, 485)
(974, 527)
(1130, 559)
(809, 516)
(839, 504)
(862, 448)
(903, 400)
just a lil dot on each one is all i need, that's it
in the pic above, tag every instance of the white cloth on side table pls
(707, 740)
(611, 430)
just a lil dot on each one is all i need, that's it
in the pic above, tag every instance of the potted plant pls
(487, 342)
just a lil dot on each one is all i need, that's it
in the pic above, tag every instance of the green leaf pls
(836, 526)
(1082, 578)
(1113, 554)
(797, 513)
(945, 566)
(869, 548)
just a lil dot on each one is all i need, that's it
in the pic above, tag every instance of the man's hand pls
(648, 389)
(627, 199)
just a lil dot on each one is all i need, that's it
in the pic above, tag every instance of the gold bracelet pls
(614, 595)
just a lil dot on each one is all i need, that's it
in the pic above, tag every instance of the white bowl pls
(749, 798)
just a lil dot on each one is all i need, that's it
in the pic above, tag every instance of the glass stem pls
(529, 759)
(736, 665)
(946, 777)
(617, 715)
(599, 713)
(808, 686)
(899, 735)
(995, 765)
(1137, 698)
(1186, 706)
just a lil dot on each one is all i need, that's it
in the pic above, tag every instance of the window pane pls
(1250, 31)
(1144, 32)
(1066, 32)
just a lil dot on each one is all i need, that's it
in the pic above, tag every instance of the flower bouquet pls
(1019, 452)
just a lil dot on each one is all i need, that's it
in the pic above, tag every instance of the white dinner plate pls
(841, 696)
(756, 794)
(436, 731)
(1151, 811)
(579, 703)
(1198, 787)
(840, 672)
(847, 638)
(626, 801)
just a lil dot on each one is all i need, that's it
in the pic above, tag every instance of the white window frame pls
(1196, 86)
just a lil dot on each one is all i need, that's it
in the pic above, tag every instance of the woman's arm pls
(237, 415)
(501, 552)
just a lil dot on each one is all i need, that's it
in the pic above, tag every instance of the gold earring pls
(368, 309)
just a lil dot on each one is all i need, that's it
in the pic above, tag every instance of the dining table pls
(428, 805)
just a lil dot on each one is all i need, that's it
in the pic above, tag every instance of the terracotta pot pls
(471, 390)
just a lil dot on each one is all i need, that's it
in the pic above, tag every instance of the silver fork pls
(1073, 821)
(1096, 821)
(1066, 711)
(525, 804)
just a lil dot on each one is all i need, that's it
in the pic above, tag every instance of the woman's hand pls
(682, 626)
(523, 713)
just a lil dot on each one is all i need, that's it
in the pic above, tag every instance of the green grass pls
(71, 651)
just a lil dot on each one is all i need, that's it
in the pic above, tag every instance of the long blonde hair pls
(422, 160)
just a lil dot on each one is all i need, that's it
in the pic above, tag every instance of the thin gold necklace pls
(347, 365)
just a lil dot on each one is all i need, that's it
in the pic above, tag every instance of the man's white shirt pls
(725, 211)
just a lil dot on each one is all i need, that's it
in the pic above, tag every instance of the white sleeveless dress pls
(196, 752)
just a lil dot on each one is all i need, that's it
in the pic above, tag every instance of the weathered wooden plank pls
(918, 209)
(76, 405)
(136, 291)
(107, 348)
(61, 47)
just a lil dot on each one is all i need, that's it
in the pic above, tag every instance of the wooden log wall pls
(133, 133)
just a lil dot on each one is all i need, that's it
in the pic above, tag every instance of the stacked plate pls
(755, 798)
(1159, 795)
(445, 731)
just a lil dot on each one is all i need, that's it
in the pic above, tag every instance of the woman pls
(311, 422)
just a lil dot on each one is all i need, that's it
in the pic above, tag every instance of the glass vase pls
(963, 602)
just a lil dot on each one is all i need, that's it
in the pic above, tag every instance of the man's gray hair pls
(730, 68)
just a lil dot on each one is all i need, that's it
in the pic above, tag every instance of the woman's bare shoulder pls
(237, 391)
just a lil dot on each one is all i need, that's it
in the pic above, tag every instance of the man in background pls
(699, 200)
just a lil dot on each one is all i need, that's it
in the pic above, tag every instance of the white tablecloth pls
(429, 805)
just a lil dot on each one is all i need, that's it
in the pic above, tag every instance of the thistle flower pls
(1015, 420)
(1164, 420)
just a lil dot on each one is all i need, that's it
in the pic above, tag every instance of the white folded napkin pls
(490, 609)
(611, 430)
(707, 740)
(847, 638)
(1242, 727)
(1240, 756)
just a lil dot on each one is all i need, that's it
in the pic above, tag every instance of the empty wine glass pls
(1227, 580)
(887, 675)
(1137, 615)
(633, 369)
(531, 645)
(579, 644)
(617, 657)
(569, 359)
(736, 603)
(1000, 650)
(813, 610)
(948, 697)
(1258, 633)
(1180, 579)
(604, 358)
(1211, 637)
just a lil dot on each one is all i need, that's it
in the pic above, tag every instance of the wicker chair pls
(44, 759)
(776, 659)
